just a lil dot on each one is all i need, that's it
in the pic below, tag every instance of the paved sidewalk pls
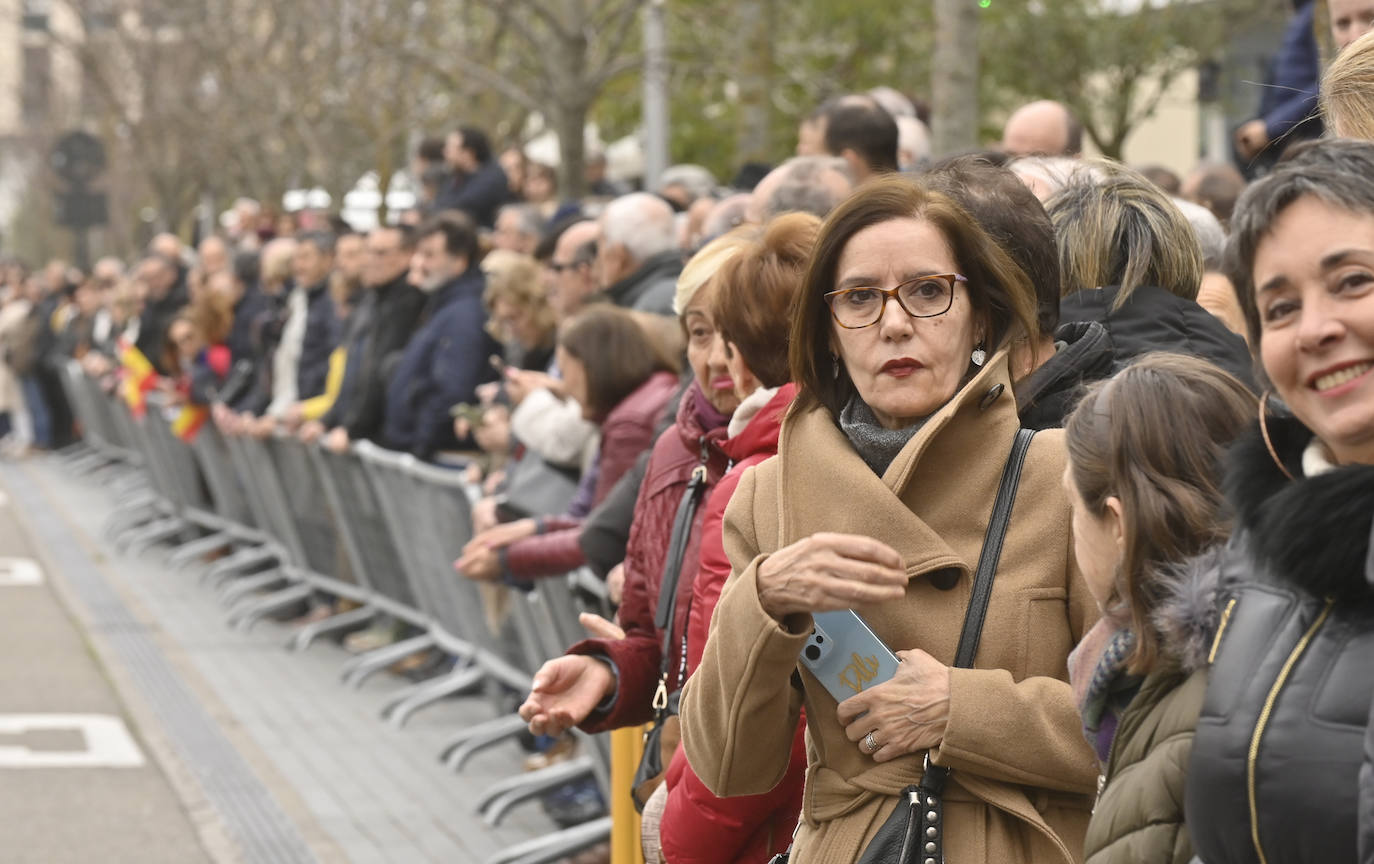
(76, 782)
(279, 760)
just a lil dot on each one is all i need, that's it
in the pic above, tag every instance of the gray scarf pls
(878, 446)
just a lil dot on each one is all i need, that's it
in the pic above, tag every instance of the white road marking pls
(108, 742)
(20, 572)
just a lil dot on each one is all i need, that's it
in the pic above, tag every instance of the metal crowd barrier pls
(289, 522)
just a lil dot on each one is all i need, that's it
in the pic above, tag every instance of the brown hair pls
(755, 290)
(1154, 437)
(999, 290)
(212, 314)
(617, 352)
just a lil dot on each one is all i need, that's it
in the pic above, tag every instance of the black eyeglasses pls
(922, 297)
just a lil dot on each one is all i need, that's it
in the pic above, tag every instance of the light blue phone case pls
(845, 655)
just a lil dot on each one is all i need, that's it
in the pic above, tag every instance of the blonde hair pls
(515, 278)
(1347, 92)
(704, 264)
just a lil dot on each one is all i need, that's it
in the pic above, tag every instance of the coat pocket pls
(1045, 638)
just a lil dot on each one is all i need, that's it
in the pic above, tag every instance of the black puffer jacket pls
(1279, 745)
(1152, 319)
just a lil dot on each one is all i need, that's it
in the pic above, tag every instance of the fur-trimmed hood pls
(1313, 533)
(1186, 614)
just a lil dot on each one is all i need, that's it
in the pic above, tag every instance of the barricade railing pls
(381, 529)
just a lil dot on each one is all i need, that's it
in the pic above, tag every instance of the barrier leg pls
(498, 800)
(472, 740)
(244, 617)
(364, 666)
(244, 559)
(199, 548)
(401, 707)
(552, 847)
(308, 633)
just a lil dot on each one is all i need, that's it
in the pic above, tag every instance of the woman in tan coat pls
(878, 500)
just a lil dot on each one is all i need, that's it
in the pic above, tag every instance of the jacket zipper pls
(1221, 628)
(1253, 757)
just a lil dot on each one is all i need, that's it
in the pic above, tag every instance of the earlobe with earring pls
(1264, 432)
(980, 356)
(835, 366)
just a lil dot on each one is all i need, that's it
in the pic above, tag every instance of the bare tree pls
(954, 77)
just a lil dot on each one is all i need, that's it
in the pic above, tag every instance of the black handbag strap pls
(933, 778)
(992, 552)
(672, 574)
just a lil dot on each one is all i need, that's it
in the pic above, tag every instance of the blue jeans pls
(38, 411)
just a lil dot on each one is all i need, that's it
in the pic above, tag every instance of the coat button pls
(944, 580)
(994, 392)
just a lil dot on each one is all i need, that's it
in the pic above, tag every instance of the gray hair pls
(640, 222)
(1336, 172)
(698, 181)
(1210, 235)
(323, 241)
(531, 223)
(803, 188)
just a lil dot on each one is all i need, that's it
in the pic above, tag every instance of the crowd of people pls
(1068, 464)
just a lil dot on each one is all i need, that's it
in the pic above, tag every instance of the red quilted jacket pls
(637, 657)
(697, 826)
(627, 431)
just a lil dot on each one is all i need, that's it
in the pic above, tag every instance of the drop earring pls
(979, 356)
(835, 367)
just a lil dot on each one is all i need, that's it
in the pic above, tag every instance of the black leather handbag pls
(914, 833)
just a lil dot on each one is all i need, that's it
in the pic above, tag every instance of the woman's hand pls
(566, 691)
(906, 714)
(826, 572)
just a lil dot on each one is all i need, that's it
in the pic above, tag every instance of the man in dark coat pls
(1288, 105)
(477, 185)
(448, 357)
(384, 322)
(165, 295)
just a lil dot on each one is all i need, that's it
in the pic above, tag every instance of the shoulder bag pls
(914, 833)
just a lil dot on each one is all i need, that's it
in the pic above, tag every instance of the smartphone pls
(845, 655)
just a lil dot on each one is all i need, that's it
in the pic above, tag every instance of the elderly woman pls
(1275, 770)
(888, 467)
(519, 315)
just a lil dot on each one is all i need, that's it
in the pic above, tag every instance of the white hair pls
(1210, 235)
(640, 222)
(913, 142)
(893, 101)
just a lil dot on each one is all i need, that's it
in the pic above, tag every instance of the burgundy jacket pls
(637, 657)
(627, 431)
(698, 827)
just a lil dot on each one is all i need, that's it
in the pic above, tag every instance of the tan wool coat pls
(1022, 774)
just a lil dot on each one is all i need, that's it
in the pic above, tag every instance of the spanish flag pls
(139, 377)
(188, 421)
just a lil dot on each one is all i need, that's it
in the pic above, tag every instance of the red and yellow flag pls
(188, 421)
(139, 377)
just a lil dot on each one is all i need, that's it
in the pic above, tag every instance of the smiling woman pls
(879, 499)
(1276, 762)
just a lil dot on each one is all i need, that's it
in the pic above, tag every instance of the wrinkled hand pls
(484, 515)
(826, 572)
(1251, 138)
(501, 536)
(487, 393)
(292, 418)
(521, 383)
(600, 628)
(311, 431)
(479, 563)
(260, 427)
(336, 441)
(566, 691)
(615, 583)
(906, 714)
